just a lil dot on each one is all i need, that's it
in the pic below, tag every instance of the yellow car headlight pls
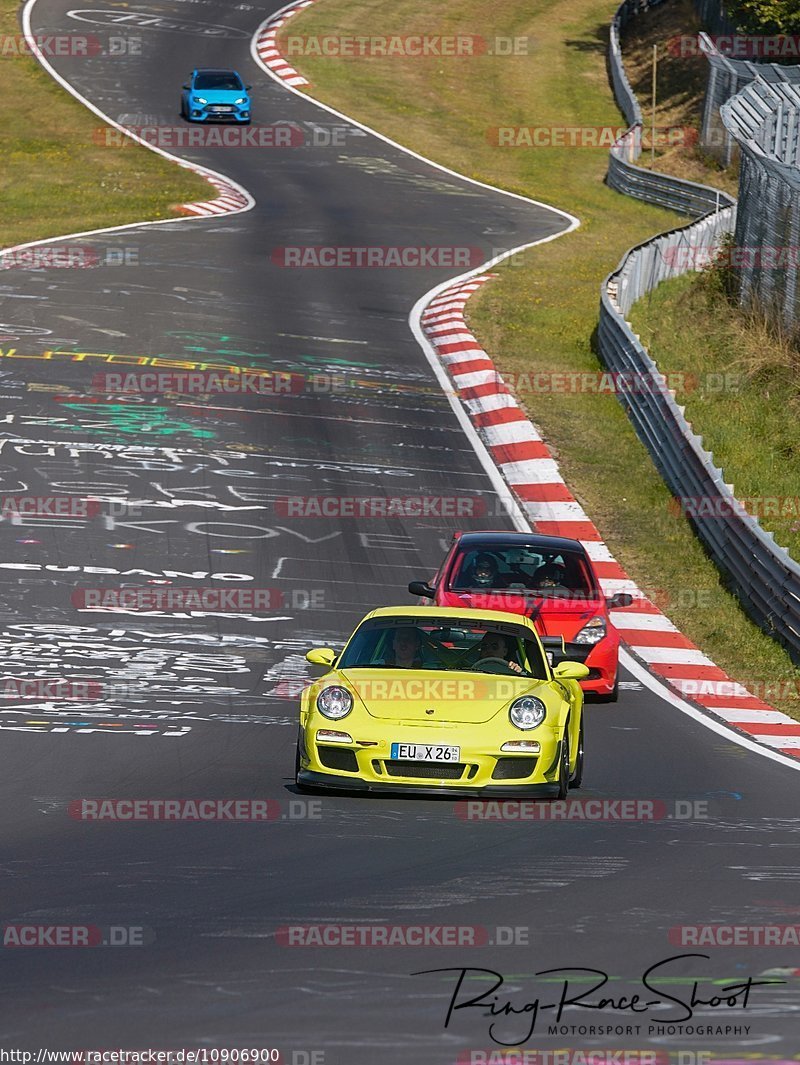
(334, 702)
(527, 712)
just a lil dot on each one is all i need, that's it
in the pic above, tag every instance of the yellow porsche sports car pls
(442, 700)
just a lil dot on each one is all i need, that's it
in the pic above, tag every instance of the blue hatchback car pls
(215, 95)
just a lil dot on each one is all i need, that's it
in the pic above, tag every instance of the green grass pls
(55, 178)
(541, 313)
(745, 403)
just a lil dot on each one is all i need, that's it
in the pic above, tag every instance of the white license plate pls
(222, 109)
(426, 752)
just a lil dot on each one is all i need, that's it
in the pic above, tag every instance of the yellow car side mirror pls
(571, 671)
(321, 656)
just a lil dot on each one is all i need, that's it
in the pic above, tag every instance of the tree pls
(765, 16)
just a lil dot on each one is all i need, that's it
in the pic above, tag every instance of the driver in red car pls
(485, 573)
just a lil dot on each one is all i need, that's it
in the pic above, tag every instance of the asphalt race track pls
(204, 707)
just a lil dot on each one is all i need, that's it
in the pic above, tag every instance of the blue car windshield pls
(453, 646)
(219, 81)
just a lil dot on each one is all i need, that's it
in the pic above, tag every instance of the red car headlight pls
(592, 632)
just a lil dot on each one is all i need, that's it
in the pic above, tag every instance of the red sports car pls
(548, 578)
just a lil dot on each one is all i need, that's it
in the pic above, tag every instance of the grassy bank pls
(745, 399)
(55, 177)
(540, 314)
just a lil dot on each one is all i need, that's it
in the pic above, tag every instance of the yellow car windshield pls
(471, 646)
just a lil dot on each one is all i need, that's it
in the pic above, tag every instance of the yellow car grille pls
(426, 770)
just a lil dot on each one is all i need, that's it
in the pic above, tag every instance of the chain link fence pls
(764, 119)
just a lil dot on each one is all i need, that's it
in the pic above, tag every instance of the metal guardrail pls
(760, 572)
(687, 197)
(726, 78)
(661, 258)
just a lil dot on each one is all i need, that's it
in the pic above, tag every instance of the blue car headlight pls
(200, 100)
(243, 100)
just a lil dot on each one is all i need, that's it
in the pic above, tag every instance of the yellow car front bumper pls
(366, 762)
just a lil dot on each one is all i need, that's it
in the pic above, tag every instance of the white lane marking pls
(487, 404)
(531, 471)
(477, 377)
(598, 551)
(622, 619)
(546, 511)
(737, 714)
(612, 585)
(327, 340)
(700, 716)
(510, 433)
(681, 656)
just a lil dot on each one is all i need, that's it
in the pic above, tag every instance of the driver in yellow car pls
(493, 645)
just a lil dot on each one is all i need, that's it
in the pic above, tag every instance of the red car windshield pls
(517, 570)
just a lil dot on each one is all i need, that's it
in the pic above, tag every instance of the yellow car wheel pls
(577, 776)
(563, 765)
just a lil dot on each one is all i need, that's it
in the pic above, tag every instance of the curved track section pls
(199, 704)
